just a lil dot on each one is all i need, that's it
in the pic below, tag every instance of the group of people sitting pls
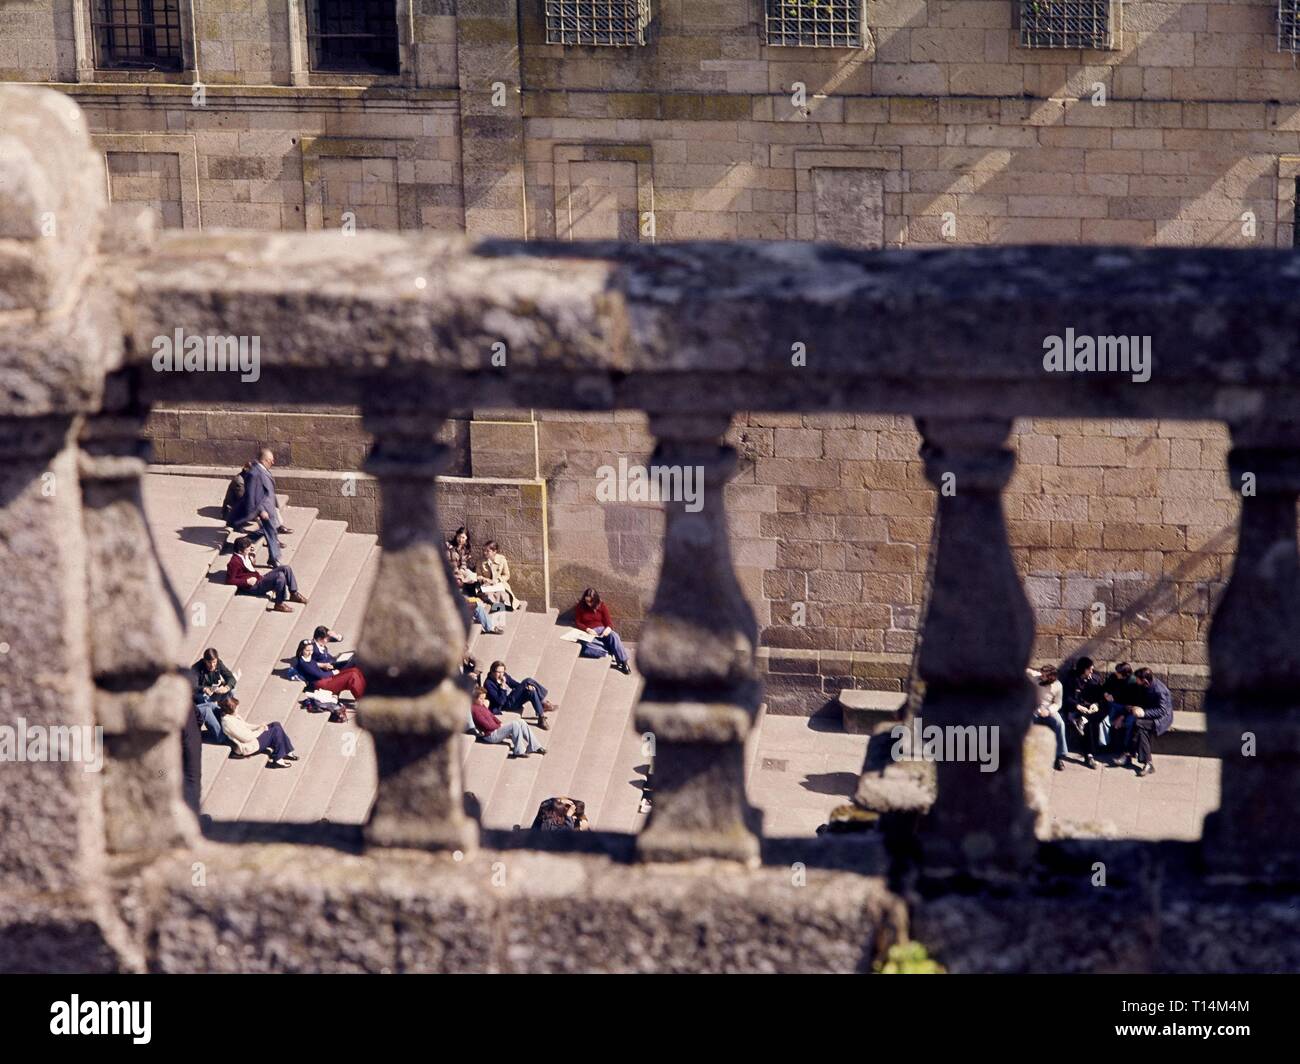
(487, 589)
(217, 709)
(1121, 713)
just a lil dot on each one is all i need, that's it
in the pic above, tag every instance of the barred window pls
(137, 34)
(353, 36)
(1069, 23)
(1288, 25)
(607, 22)
(815, 23)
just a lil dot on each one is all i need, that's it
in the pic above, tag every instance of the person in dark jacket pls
(212, 682)
(506, 693)
(1082, 706)
(259, 504)
(1120, 692)
(324, 675)
(234, 493)
(1152, 718)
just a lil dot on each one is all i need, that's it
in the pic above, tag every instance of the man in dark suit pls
(258, 504)
(1153, 717)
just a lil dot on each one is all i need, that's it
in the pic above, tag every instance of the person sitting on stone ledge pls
(495, 573)
(323, 674)
(460, 558)
(490, 729)
(212, 681)
(1152, 718)
(592, 616)
(506, 693)
(1120, 692)
(1048, 709)
(1082, 706)
(280, 580)
(248, 740)
(561, 814)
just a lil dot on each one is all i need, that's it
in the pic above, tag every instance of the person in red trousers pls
(325, 675)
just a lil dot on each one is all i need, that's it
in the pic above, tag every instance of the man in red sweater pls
(515, 732)
(241, 572)
(592, 616)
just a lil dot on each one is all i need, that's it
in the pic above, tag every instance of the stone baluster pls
(134, 625)
(979, 632)
(697, 656)
(1252, 706)
(412, 641)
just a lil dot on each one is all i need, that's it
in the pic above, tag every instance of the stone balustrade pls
(411, 327)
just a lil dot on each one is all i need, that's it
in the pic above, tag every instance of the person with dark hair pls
(1048, 709)
(460, 558)
(1150, 719)
(491, 730)
(258, 503)
(323, 674)
(592, 616)
(506, 693)
(280, 581)
(1082, 706)
(248, 740)
(561, 814)
(234, 493)
(212, 681)
(1120, 693)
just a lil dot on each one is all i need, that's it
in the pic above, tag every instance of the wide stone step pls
(607, 776)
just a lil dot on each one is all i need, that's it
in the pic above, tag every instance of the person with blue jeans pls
(592, 616)
(1051, 694)
(213, 681)
(492, 730)
(1120, 693)
(506, 693)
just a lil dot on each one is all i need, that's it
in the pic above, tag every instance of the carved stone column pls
(134, 627)
(412, 641)
(697, 656)
(979, 632)
(1253, 704)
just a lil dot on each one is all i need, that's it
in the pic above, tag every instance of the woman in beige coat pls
(248, 739)
(495, 570)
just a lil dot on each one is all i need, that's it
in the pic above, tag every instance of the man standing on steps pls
(258, 504)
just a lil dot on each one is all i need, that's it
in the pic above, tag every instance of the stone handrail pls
(407, 326)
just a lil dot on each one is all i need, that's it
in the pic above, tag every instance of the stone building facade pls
(937, 128)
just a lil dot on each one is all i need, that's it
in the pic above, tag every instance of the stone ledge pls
(281, 908)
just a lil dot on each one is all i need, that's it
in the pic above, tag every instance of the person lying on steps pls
(248, 740)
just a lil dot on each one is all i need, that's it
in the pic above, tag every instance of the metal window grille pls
(1288, 25)
(621, 23)
(1068, 23)
(137, 34)
(353, 37)
(815, 23)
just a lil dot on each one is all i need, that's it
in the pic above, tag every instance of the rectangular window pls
(814, 23)
(621, 23)
(1288, 25)
(1090, 24)
(137, 34)
(353, 36)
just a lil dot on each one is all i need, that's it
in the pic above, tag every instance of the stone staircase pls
(593, 752)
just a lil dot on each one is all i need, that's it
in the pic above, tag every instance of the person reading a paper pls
(591, 616)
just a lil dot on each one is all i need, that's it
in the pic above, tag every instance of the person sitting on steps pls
(212, 681)
(248, 740)
(495, 571)
(460, 558)
(592, 616)
(490, 729)
(323, 674)
(506, 693)
(241, 572)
